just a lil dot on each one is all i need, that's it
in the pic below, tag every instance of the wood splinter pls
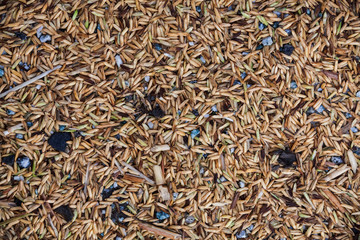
(159, 231)
(159, 179)
(24, 84)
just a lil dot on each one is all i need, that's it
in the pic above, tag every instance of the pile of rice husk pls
(179, 119)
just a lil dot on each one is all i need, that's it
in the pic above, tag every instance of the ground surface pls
(180, 119)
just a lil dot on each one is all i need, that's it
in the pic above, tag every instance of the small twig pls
(52, 226)
(7, 204)
(119, 167)
(331, 74)
(159, 231)
(138, 172)
(13, 128)
(15, 219)
(235, 199)
(334, 200)
(86, 178)
(29, 82)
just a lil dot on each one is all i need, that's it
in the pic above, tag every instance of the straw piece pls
(86, 178)
(29, 82)
(132, 178)
(159, 231)
(164, 193)
(337, 173)
(12, 129)
(138, 172)
(334, 200)
(160, 148)
(4, 223)
(352, 160)
(159, 178)
(53, 226)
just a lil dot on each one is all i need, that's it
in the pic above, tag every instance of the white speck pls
(150, 124)
(189, 219)
(202, 59)
(320, 109)
(267, 41)
(241, 234)
(168, 55)
(232, 150)
(241, 184)
(354, 129)
(284, 238)
(244, 53)
(28, 229)
(348, 115)
(191, 43)
(175, 195)
(115, 185)
(103, 212)
(358, 94)
(118, 238)
(202, 170)
(214, 108)
(38, 86)
(23, 162)
(206, 115)
(337, 160)
(319, 89)
(293, 85)
(118, 60)
(147, 78)
(38, 31)
(36, 192)
(18, 178)
(146, 88)
(251, 227)
(127, 83)
(223, 179)
(45, 38)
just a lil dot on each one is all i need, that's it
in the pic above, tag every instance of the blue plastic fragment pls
(237, 82)
(19, 136)
(267, 41)
(194, 133)
(243, 75)
(260, 47)
(10, 112)
(241, 234)
(354, 129)
(261, 26)
(162, 215)
(293, 85)
(320, 109)
(157, 47)
(276, 25)
(348, 115)
(288, 31)
(358, 94)
(337, 160)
